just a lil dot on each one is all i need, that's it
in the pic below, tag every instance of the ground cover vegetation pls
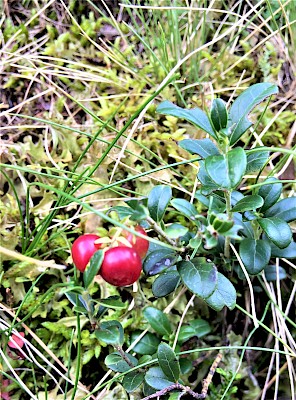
(147, 200)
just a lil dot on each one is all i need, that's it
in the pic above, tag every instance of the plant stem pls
(161, 233)
(227, 195)
(124, 356)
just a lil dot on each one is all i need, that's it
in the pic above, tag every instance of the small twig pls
(161, 233)
(124, 356)
(186, 389)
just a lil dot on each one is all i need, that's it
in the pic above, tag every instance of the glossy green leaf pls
(93, 268)
(284, 209)
(288, 252)
(168, 362)
(115, 362)
(184, 207)
(270, 193)
(133, 380)
(175, 231)
(156, 378)
(195, 115)
(110, 332)
(277, 230)
(272, 272)
(219, 115)
(201, 147)
(158, 200)
(147, 344)
(251, 202)
(166, 283)
(224, 294)
(256, 161)
(112, 302)
(199, 276)
(157, 320)
(255, 254)
(207, 184)
(159, 260)
(227, 170)
(243, 105)
(198, 327)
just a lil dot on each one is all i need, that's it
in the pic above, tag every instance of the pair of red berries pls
(122, 265)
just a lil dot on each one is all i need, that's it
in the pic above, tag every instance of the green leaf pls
(255, 254)
(227, 170)
(284, 209)
(110, 332)
(184, 207)
(166, 283)
(198, 327)
(243, 105)
(256, 161)
(272, 271)
(122, 211)
(199, 276)
(270, 193)
(219, 115)
(159, 260)
(93, 268)
(224, 294)
(202, 147)
(207, 184)
(195, 115)
(158, 200)
(133, 380)
(112, 302)
(175, 231)
(287, 252)
(157, 320)
(277, 230)
(156, 378)
(168, 362)
(115, 362)
(251, 202)
(147, 345)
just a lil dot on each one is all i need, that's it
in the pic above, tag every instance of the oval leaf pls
(284, 209)
(147, 345)
(287, 252)
(224, 294)
(158, 320)
(133, 380)
(199, 276)
(197, 327)
(168, 362)
(248, 203)
(166, 283)
(227, 170)
(157, 379)
(159, 260)
(243, 105)
(115, 362)
(256, 161)
(93, 268)
(196, 116)
(272, 272)
(270, 193)
(110, 332)
(255, 254)
(219, 115)
(184, 207)
(277, 230)
(202, 147)
(158, 200)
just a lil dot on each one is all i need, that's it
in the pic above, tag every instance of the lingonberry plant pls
(225, 228)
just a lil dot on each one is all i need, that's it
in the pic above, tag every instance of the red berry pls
(139, 244)
(121, 266)
(83, 249)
